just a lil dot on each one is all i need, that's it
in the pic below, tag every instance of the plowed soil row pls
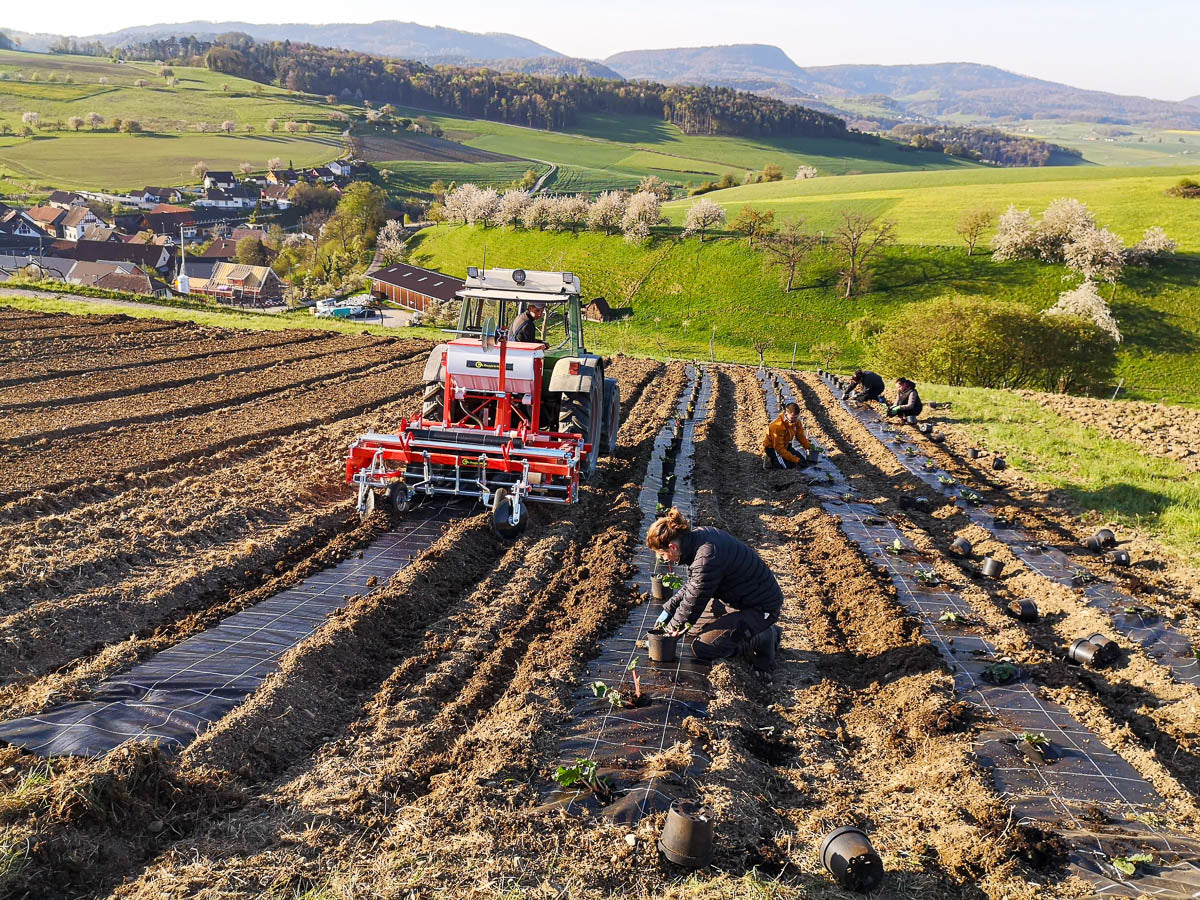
(1135, 706)
(331, 680)
(46, 338)
(191, 343)
(1170, 431)
(137, 405)
(97, 387)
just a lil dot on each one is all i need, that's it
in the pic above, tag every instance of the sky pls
(1147, 48)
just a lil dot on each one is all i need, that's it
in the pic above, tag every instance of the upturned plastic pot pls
(847, 854)
(1106, 650)
(686, 838)
(961, 546)
(991, 568)
(1001, 522)
(1118, 558)
(938, 438)
(911, 420)
(974, 453)
(925, 428)
(999, 463)
(1084, 652)
(663, 648)
(657, 591)
(665, 497)
(1101, 539)
(1024, 610)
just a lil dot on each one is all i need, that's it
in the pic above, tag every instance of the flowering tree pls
(703, 216)
(1154, 245)
(391, 240)
(482, 206)
(31, 119)
(971, 226)
(656, 186)
(643, 211)
(569, 213)
(607, 210)
(512, 207)
(1064, 219)
(804, 172)
(228, 126)
(458, 203)
(1095, 253)
(1085, 301)
(539, 212)
(1014, 238)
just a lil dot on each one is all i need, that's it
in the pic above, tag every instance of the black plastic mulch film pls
(176, 695)
(619, 739)
(1082, 775)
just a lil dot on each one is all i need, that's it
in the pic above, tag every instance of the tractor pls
(504, 422)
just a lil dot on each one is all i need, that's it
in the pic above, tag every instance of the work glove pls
(893, 410)
(662, 619)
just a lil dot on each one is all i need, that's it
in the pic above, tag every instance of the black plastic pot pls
(911, 420)
(1033, 753)
(1101, 539)
(1084, 652)
(1024, 610)
(686, 838)
(1001, 522)
(999, 463)
(847, 854)
(1118, 558)
(1106, 650)
(657, 592)
(662, 647)
(961, 546)
(925, 428)
(991, 568)
(974, 453)
(665, 497)
(938, 438)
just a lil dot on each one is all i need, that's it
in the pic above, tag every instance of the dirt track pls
(405, 748)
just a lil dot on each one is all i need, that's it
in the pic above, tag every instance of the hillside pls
(936, 90)
(927, 205)
(678, 292)
(388, 37)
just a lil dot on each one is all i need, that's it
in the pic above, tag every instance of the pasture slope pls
(675, 295)
(406, 747)
(51, 158)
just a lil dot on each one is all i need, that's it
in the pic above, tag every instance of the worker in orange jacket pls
(784, 441)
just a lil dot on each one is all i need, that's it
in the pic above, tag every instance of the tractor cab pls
(502, 421)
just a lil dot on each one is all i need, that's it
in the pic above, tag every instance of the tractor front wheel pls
(583, 414)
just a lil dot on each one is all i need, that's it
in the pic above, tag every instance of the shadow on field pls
(1154, 330)
(1126, 499)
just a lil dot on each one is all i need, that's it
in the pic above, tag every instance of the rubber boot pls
(764, 646)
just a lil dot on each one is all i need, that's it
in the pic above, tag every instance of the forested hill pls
(537, 101)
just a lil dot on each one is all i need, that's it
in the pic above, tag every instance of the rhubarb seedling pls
(1128, 864)
(927, 576)
(1035, 739)
(954, 618)
(583, 774)
(637, 684)
(946, 480)
(897, 547)
(1143, 611)
(1000, 672)
(672, 582)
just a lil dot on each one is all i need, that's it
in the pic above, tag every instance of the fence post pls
(794, 355)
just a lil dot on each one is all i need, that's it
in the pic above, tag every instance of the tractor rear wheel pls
(433, 400)
(612, 414)
(583, 414)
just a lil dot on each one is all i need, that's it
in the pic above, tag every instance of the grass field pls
(418, 175)
(1105, 145)
(604, 151)
(926, 205)
(677, 292)
(54, 158)
(1096, 471)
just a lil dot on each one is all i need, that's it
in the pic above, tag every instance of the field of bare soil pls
(155, 478)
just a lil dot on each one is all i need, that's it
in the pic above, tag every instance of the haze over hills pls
(387, 38)
(933, 90)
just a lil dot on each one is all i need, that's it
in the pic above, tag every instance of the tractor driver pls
(524, 326)
(730, 593)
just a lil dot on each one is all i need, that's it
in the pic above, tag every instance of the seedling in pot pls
(1001, 672)
(660, 509)
(583, 775)
(672, 582)
(1127, 865)
(953, 618)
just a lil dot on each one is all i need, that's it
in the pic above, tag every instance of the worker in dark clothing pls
(908, 401)
(524, 326)
(870, 387)
(730, 593)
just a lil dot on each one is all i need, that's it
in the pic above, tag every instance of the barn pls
(413, 287)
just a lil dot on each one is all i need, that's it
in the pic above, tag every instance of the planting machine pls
(504, 422)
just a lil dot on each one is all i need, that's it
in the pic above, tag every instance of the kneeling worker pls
(870, 387)
(908, 401)
(728, 586)
(784, 440)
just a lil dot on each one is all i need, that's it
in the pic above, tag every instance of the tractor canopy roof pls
(519, 284)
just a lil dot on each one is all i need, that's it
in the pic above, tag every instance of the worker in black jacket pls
(730, 592)
(870, 387)
(524, 326)
(908, 401)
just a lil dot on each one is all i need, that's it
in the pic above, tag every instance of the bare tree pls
(856, 240)
(754, 223)
(972, 224)
(789, 247)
